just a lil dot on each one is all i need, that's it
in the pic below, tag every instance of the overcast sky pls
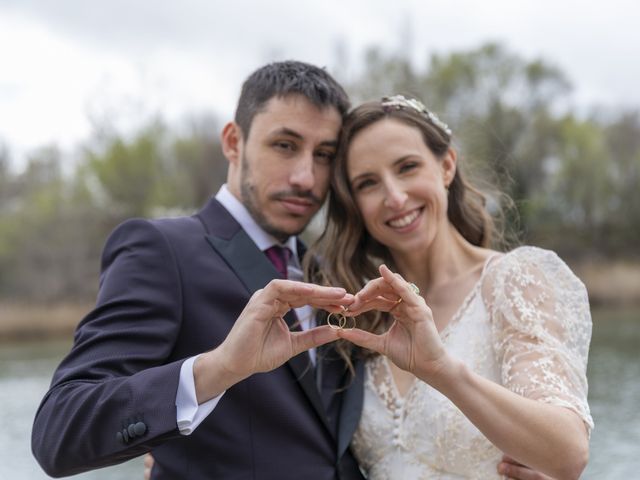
(63, 62)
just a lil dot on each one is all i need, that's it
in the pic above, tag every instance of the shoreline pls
(614, 285)
(610, 283)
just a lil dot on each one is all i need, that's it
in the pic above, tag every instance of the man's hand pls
(517, 471)
(148, 465)
(260, 339)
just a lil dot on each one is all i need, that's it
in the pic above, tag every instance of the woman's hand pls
(148, 466)
(412, 342)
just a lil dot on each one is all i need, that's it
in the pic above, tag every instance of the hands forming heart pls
(260, 339)
(412, 342)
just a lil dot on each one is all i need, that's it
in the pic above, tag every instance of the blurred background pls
(113, 109)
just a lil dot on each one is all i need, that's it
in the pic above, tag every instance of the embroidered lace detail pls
(525, 325)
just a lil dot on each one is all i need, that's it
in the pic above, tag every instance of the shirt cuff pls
(189, 414)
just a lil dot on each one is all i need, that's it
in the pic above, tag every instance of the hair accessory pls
(400, 101)
(342, 320)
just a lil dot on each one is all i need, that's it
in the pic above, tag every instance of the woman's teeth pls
(404, 221)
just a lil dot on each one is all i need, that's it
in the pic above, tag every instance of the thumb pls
(314, 337)
(363, 339)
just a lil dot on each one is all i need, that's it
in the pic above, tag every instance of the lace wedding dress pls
(525, 325)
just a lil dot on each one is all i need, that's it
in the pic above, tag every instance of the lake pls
(614, 396)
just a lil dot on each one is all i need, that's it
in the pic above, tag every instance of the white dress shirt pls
(189, 413)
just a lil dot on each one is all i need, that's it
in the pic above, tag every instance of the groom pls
(186, 352)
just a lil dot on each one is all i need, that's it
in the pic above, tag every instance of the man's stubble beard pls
(250, 201)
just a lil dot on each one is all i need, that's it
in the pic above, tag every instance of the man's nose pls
(302, 174)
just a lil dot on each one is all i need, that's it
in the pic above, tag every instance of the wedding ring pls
(415, 290)
(342, 322)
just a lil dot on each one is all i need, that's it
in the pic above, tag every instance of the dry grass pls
(611, 283)
(28, 321)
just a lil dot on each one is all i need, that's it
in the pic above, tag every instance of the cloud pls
(65, 60)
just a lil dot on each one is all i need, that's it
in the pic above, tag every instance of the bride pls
(482, 352)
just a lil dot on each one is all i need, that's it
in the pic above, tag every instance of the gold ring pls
(343, 321)
(415, 290)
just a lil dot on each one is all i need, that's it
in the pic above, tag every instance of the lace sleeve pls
(541, 328)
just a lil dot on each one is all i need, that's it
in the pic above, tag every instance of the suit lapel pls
(250, 265)
(254, 270)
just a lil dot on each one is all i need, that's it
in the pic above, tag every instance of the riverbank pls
(32, 321)
(611, 284)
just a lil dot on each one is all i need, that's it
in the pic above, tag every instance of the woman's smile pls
(406, 221)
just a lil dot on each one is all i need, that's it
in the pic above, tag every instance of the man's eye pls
(325, 156)
(284, 146)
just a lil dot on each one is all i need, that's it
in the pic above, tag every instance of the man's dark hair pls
(284, 78)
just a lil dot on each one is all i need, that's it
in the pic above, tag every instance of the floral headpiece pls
(400, 101)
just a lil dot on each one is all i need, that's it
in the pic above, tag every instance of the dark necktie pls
(279, 256)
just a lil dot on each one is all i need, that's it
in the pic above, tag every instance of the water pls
(614, 396)
(25, 373)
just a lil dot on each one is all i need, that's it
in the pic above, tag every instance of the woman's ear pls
(231, 139)
(449, 164)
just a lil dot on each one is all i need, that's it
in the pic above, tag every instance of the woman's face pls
(399, 185)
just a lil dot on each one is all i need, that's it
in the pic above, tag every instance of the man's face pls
(284, 164)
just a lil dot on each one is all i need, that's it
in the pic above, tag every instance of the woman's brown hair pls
(345, 254)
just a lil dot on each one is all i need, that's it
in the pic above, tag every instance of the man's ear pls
(231, 139)
(449, 165)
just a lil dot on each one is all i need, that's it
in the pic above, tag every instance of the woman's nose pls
(395, 196)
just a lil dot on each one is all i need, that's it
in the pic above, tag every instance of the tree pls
(622, 144)
(200, 166)
(499, 105)
(129, 172)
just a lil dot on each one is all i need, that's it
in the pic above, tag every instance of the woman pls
(482, 352)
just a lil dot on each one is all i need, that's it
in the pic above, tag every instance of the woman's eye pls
(364, 184)
(405, 167)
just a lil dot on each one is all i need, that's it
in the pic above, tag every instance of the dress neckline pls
(445, 332)
(464, 305)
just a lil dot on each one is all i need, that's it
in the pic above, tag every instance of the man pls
(137, 379)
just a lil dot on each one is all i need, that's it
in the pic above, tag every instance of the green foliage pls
(200, 166)
(574, 181)
(47, 250)
(497, 102)
(131, 173)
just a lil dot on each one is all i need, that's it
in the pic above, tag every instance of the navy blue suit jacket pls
(171, 289)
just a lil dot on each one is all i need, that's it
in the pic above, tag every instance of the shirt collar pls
(241, 215)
